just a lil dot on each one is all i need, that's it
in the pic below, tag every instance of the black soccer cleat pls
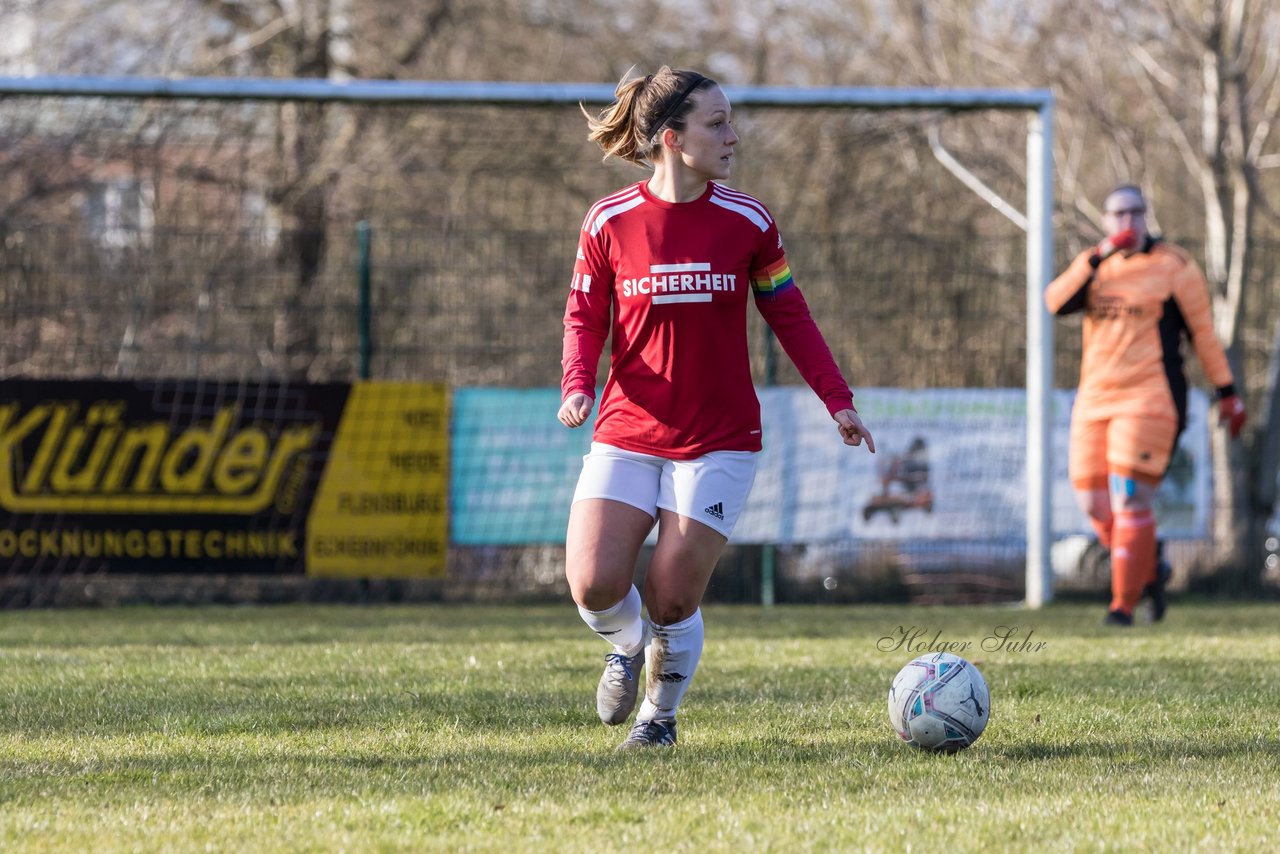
(1155, 591)
(1117, 618)
(655, 733)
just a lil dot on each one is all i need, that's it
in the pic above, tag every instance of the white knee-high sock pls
(671, 658)
(620, 625)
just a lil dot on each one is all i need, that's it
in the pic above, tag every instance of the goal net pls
(258, 238)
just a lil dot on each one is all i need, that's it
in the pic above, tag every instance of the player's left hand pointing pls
(852, 430)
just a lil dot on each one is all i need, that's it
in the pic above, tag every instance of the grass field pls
(442, 728)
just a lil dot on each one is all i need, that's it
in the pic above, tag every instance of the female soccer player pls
(1140, 296)
(667, 265)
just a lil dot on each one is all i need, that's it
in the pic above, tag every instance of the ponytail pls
(629, 128)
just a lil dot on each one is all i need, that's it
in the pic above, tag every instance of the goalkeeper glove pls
(1231, 413)
(1109, 246)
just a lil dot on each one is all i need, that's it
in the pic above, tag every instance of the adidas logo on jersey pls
(716, 510)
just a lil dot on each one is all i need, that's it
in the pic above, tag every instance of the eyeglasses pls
(1127, 212)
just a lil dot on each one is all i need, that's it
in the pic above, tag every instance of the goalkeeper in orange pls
(1141, 297)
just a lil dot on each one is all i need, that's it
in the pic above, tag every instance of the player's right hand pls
(575, 410)
(1231, 414)
(1117, 242)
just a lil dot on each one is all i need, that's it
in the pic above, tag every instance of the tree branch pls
(1262, 130)
(234, 13)
(1174, 17)
(247, 42)
(409, 52)
(1153, 68)
(1181, 141)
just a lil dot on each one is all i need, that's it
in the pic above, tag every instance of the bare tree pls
(1211, 71)
(293, 38)
(1187, 82)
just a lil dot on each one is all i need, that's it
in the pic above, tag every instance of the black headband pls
(698, 80)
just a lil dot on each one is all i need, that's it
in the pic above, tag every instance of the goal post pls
(1038, 104)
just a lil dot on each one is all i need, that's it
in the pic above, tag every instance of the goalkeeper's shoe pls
(1117, 618)
(659, 732)
(1156, 592)
(619, 686)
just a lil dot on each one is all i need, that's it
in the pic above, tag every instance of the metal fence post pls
(363, 315)
(768, 552)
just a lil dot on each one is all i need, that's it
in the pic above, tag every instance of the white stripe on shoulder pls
(608, 201)
(744, 199)
(595, 209)
(757, 219)
(610, 212)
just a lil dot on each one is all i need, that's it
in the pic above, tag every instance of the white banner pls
(513, 469)
(949, 464)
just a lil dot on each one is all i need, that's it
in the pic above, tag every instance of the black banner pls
(161, 476)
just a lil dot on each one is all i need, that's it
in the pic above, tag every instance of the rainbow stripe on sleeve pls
(772, 280)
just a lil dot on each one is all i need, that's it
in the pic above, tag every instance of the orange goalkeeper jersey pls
(1137, 311)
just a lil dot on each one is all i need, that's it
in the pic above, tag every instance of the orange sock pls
(1103, 530)
(1133, 558)
(1095, 501)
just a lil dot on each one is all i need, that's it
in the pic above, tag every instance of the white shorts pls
(711, 489)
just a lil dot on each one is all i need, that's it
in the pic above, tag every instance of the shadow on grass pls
(1136, 752)
(529, 692)
(458, 623)
(286, 625)
(200, 713)
(578, 760)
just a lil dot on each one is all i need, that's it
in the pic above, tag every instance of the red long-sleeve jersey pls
(670, 281)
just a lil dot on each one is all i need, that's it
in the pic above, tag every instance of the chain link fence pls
(147, 240)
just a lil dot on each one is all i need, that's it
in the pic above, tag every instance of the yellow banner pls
(382, 510)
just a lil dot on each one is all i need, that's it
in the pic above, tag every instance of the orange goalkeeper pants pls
(1116, 466)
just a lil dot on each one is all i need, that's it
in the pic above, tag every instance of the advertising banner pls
(951, 464)
(192, 475)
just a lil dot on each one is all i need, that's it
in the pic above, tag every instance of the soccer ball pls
(939, 702)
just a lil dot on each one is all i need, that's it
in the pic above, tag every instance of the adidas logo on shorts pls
(716, 510)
